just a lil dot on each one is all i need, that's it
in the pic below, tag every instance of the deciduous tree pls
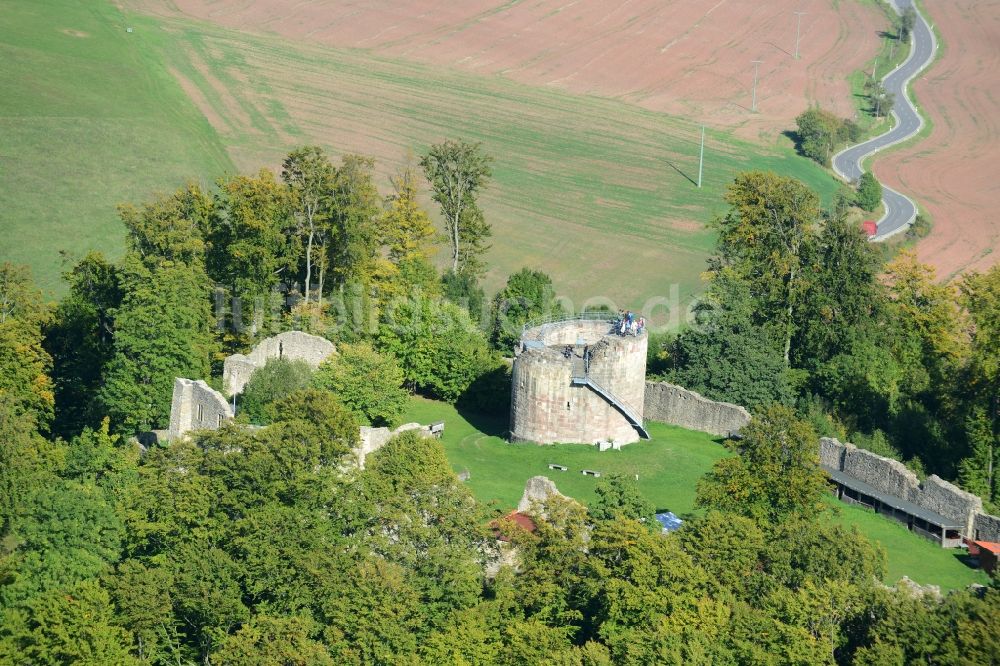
(368, 383)
(457, 171)
(311, 177)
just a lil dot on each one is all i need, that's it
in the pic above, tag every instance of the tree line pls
(802, 310)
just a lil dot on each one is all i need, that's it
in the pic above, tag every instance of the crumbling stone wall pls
(292, 345)
(831, 453)
(986, 528)
(675, 405)
(373, 439)
(893, 478)
(196, 406)
(885, 474)
(949, 501)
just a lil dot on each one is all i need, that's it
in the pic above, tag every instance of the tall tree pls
(728, 354)
(24, 363)
(252, 235)
(80, 339)
(764, 237)
(980, 294)
(357, 232)
(844, 302)
(457, 171)
(527, 295)
(171, 227)
(309, 174)
(775, 474)
(409, 231)
(162, 331)
(440, 350)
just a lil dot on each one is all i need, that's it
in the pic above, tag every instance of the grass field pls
(668, 466)
(595, 191)
(89, 118)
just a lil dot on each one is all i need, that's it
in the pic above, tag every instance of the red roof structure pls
(869, 227)
(987, 552)
(521, 520)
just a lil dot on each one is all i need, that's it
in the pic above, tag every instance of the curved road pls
(900, 211)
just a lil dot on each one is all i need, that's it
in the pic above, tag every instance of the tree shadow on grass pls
(966, 559)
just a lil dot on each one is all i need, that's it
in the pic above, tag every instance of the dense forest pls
(267, 545)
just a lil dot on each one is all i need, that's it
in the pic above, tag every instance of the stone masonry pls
(292, 345)
(669, 403)
(196, 406)
(548, 405)
(893, 478)
(373, 439)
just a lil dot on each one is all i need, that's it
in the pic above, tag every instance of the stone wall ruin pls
(196, 406)
(669, 403)
(893, 478)
(291, 345)
(373, 439)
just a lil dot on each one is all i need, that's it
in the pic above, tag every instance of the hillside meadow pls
(597, 192)
(89, 118)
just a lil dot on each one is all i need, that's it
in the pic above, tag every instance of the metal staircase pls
(582, 378)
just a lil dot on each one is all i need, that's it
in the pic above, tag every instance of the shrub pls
(278, 379)
(368, 383)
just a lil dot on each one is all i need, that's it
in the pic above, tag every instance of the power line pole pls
(701, 159)
(874, 66)
(798, 27)
(756, 65)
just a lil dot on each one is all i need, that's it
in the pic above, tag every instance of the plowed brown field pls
(684, 57)
(953, 173)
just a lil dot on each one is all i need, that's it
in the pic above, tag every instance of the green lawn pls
(89, 118)
(669, 466)
(910, 555)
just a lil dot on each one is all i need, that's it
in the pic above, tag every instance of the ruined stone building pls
(290, 345)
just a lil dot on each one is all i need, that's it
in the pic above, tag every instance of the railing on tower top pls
(593, 315)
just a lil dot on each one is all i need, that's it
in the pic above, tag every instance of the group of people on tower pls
(628, 323)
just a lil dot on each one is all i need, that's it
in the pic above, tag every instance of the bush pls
(368, 383)
(869, 194)
(278, 379)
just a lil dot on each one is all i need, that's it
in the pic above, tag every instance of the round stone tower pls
(579, 381)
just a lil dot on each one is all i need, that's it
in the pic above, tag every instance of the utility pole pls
(753, 104)
(873, 68)
(701, 159)
(798, 27)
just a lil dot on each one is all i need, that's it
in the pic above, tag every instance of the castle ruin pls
(291, 345)
(578, 380)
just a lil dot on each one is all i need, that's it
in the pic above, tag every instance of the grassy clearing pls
(668, 466)
(911, 555)
(89, 118)
(597, 192)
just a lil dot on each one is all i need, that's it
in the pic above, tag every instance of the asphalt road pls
(900, 211)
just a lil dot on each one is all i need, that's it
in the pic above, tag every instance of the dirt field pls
(953, 172)
(686, 58)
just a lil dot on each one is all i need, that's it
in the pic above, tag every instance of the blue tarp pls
(669, 521)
